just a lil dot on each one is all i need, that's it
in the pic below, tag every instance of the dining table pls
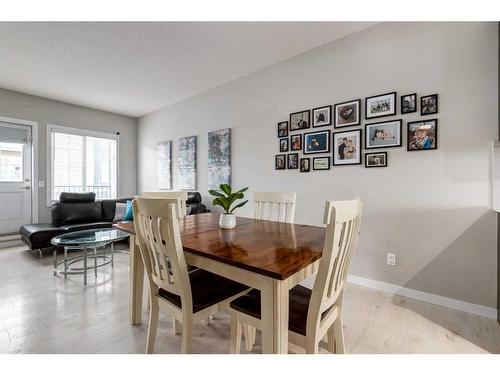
(266, 255)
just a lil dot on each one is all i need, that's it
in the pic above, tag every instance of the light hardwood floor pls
(40, 313)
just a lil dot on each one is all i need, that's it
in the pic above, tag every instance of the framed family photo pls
(422, 135)
(408, 103)
(283, 129)
(300, 120)
(280, 162)
(305, 164)
(293, 161)
(383, 134)
(429, 104)
(283, 144)
(322, 116)
(375, 159)
(296, 142)
(347, 113)
(317, 142)
(380, 105)
(347, 147)
(321, 164)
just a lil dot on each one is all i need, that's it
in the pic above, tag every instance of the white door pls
(15, 177)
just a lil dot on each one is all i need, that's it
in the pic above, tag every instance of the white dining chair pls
(188, 297)
(316, 313)
(275, 206)
(181, 197)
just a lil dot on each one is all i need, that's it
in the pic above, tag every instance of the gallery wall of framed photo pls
(304, 148)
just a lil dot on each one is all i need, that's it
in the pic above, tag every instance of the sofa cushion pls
(120, 211)
(193, 197)
(76, 213)
(84, 226)
(38, 236)
(109, 207)
(76, 197)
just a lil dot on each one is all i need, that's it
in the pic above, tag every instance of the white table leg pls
(280, 317)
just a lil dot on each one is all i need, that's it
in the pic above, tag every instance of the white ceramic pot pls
(227, 221)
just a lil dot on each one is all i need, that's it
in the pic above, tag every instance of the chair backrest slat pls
(275, 206)
(180, 196)
(342, 219)
(157, 229)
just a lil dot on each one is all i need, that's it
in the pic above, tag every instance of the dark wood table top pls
(273, 249)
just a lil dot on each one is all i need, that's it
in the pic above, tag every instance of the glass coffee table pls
(93, 241)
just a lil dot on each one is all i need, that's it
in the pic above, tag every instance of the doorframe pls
(34, 161)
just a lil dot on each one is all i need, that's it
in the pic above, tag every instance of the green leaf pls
(223, 202)
(226, 188)
(242, 190)
(216, 193)
(238, 206)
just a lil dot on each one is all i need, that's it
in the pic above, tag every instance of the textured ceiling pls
(137, 68)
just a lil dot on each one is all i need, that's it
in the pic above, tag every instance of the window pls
(82, 161)
(11, 162)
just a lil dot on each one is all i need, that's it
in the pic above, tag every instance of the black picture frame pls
(322, 151)
(376, 153)
(329, 108)
(282, 156)
(307, 124)
(285, 140)
(295, 148)
(321, 169)
(360, 147)
(409, 144)
(283, 127)
(367, 133)
(289, 156)
(302, 168)
(336, 125)
(404, 109)
(424, 107)
(392, 113)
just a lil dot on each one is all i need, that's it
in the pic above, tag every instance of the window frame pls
(84, 133)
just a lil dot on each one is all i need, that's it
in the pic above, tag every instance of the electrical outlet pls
(391, 259)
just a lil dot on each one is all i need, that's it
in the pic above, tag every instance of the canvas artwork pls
(219, 158)
(164, 165)
(347, 147)
(186, 163)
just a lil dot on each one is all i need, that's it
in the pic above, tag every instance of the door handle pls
(25, 187)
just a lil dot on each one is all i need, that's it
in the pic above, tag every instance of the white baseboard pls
(471, 308)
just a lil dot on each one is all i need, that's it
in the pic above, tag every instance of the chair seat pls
(299, 298)
(207, 289)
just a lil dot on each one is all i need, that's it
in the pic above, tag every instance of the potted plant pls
(225, 198)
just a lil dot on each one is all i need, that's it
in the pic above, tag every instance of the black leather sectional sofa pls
(80, 211)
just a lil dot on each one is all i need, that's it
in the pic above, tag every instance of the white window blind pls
(82, 162)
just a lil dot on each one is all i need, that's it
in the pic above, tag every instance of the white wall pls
(430, 208)
(45, 111)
